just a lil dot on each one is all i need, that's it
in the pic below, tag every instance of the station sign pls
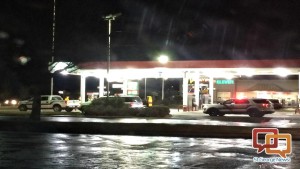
(224, 82)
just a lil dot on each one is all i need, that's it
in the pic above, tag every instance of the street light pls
(109, 18)
(163, 59)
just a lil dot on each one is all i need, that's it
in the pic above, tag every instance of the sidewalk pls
(199, 113)
(180, 124)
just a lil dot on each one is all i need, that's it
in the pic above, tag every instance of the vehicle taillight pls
(265, 105)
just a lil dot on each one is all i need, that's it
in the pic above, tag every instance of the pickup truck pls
(55, 102)
(72, 104)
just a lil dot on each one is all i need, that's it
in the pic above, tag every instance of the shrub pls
(154, 111)
(105, 106)
(116, 107)
(116, 102)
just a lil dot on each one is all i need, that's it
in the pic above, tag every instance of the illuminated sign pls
(224, 82)
(132, 88)
(115, 86)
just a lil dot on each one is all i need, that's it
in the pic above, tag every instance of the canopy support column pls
(82, 88)
(196, 89)
(101, 86)
(299, 87)
(211, 89)
(125, 87)
(185, 89)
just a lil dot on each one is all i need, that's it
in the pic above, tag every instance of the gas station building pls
(208, 81)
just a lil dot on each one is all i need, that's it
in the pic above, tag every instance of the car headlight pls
(13, 102)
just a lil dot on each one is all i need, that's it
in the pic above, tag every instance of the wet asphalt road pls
(42, 150)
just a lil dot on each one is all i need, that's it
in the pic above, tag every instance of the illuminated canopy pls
(65, 67)
(227, 69)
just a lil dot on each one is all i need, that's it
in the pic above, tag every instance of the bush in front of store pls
(116, 107)
(154, 111)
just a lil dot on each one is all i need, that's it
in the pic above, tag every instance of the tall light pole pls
(109, 18)
(53, 45)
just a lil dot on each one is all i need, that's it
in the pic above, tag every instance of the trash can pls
(149, 101)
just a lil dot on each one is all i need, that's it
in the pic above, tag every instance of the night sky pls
(183, 29)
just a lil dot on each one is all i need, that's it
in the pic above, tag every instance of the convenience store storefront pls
(285, 90)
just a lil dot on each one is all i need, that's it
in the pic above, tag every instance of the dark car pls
(276, 103)
(133, 101)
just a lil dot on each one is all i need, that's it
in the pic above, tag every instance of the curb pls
(141, 129)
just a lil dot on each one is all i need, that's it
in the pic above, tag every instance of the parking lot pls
(13, 110)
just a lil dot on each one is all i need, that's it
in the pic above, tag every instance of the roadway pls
(182, 140)
(179, 123)
(61, 150)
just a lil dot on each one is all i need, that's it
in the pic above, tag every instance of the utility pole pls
(53, 45)
(109, 18)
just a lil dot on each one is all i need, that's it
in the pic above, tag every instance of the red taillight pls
(265, 105)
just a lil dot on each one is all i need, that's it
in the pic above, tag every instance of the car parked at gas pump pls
(276, 103)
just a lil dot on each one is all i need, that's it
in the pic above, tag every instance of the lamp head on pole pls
(111, 16)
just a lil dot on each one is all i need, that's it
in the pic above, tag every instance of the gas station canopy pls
(122, 71)
(176, 69)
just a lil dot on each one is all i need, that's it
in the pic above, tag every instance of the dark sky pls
(183, 29)
(186, 29)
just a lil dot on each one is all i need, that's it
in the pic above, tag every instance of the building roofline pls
(266, 63)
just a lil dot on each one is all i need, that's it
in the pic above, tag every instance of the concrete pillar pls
(101, 86)
(185, 89)
(125, 86)
(196, 90)
(145, 90)
(299, 87)
(235, 88)
(211, 89)
(162, 88)
(82, 88)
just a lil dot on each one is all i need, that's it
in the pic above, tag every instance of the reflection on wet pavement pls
(283, 123)
(38, 150)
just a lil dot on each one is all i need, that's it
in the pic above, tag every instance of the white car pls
(55, 102)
